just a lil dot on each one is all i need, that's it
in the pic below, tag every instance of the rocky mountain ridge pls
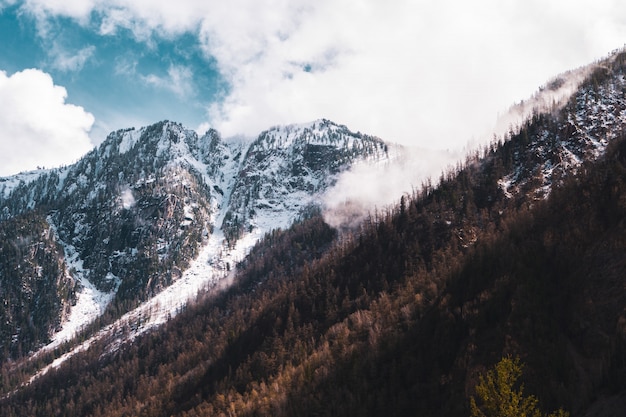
(492, 260)
(133, 213)
(556, 144)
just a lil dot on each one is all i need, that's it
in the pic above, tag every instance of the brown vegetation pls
(399, 319)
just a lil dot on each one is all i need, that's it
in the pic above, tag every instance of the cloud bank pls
(38, 127)
(416, 72)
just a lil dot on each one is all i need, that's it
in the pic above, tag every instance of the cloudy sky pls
(432, 74)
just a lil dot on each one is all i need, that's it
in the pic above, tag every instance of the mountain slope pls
(287, 167)
(554, 145)
(36, 289)
(398, 321)
(401, 318)
(133, 213)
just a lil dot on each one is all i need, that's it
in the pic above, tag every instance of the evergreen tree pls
(499, 396)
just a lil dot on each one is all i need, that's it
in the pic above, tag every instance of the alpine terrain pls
(96, 239)
(515, 256)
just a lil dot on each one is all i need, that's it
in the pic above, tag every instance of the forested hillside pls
(398, 319)
(517, 252)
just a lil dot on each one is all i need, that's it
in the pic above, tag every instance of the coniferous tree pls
(500, 395)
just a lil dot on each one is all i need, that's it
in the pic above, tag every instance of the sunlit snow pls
(90, 303)
(211, 270)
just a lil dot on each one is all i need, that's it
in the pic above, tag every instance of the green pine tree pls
(498, 396)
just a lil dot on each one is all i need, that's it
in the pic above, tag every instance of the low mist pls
(371, 186)
(548, 98)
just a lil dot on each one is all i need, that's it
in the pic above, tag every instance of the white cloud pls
(78, 9)
(6, 3)
(179, 80)
(67, 61)
(369, 186)
(414, 71)
(140, 16)
(126, 65)
(38, 127)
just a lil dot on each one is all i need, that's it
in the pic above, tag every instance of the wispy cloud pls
(77, 9)
(6, 3)
(375, 186)
(126, 65)
(115, 18)
(70, 61)
(179, 80)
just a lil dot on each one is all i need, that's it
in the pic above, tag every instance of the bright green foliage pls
(499, 396)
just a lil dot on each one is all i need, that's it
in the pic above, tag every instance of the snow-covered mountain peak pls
(164, 140)
(320, 132)
(286, 169)
(134, 214)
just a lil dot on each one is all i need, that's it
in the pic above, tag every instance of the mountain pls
(519, 251)
(127, 219)
(286, 167)
(553, 145)
(33, 282)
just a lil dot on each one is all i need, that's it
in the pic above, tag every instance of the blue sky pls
(123, 81)
(431, 74)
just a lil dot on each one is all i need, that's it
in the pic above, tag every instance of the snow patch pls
(129, 139)
(505, 184)
(90, 303)
(213, 268)
(8, 184)
(127, 198)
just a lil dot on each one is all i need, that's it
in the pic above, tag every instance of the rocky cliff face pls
(287, 168)
(131, 215)
(36, 289)
(557, 143)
